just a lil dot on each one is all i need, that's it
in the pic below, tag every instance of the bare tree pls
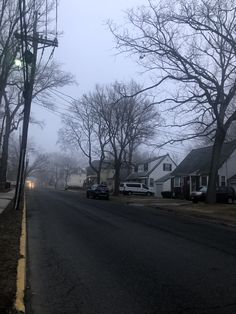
(48, 74)
(47, 78)
(192, 49)
(109, 124)
(85, 130)
(129, 122)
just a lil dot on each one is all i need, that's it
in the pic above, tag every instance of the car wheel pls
(130, 193)
(107, 198)
(87, 195)
(148, 194)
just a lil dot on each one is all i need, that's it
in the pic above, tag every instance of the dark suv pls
(224, 194)
(98, 191)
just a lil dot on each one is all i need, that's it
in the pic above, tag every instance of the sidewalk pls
(5, 199)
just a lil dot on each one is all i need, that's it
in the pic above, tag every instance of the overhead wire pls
(64, 94)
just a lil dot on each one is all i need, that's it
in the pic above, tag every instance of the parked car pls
(200, 195)
(130, 188)
(224, 194)
(98, 191)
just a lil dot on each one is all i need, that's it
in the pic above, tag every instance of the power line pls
(64, 94)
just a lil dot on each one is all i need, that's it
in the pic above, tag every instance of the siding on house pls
(77, 180)
(158, 172)
(228, 168)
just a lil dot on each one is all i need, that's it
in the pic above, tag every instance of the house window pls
(204, 181)
(167, 167)
(140, 168)
(223, 181)
(145, 167)
(177, 182)
(151, 182)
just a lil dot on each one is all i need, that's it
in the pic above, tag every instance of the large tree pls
(129, 121)
(191, 48)
(108, 123)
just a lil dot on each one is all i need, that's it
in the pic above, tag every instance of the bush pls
(166, 194)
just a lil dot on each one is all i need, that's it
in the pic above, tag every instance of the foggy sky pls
(86, 49)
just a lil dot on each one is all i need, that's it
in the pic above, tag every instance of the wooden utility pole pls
(27, 94)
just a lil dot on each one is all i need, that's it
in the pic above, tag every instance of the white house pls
(76, 180)
(193, 171)
(150, 170)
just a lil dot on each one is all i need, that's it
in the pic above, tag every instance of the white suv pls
(134, 188)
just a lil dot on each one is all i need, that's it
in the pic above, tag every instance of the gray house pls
(193, 171)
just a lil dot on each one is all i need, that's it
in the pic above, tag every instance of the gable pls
(164, 159)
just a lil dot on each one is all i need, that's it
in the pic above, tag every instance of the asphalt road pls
(98, 256)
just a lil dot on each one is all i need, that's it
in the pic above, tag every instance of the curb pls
(21, 268)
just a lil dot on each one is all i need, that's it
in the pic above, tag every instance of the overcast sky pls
(86, 49)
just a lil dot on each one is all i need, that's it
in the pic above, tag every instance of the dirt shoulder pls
(10, 231)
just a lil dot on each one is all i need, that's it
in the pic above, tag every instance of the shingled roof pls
(145, 174)
(198, 160)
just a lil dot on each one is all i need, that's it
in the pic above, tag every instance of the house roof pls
(198, 160)
(107, 164)
(145, 174)
(137, 175)
(165, 178)
(233, 178)
(148, 160)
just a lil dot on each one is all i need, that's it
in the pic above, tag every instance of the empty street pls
(104, 257)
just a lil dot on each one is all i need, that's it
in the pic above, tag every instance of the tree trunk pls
(5, 146)
(215, 160)
(117, 178)
(98, 177)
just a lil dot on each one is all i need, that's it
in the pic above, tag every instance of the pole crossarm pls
(40, 40)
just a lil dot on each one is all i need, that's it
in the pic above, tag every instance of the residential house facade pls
(150, 170)
(77, 180)
(193, 171)
(106, 176)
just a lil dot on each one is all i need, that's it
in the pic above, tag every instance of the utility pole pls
(30, 58)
